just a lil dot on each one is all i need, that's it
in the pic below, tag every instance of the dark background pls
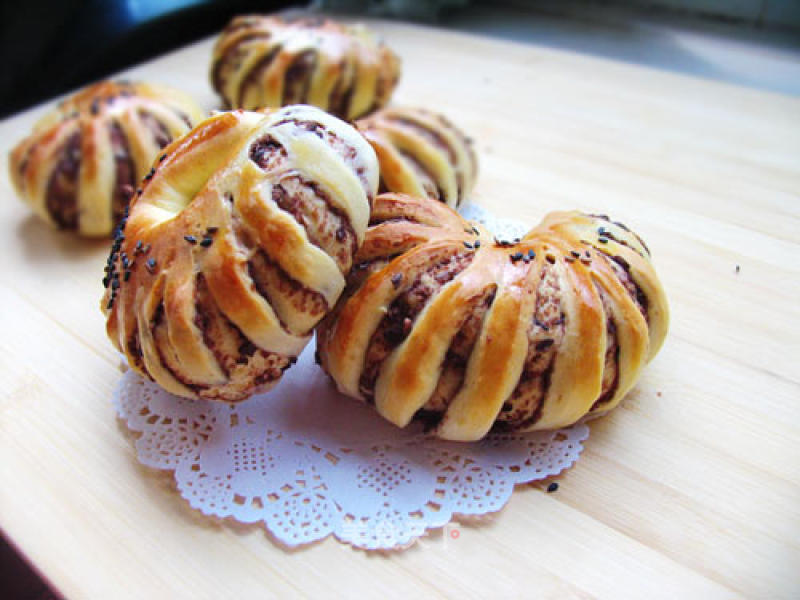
(50, 47)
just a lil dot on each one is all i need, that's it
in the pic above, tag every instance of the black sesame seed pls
(531, 254)
(206, 242)
(105, 281)
(467, 245)
(552, 487)
(150, 264)
(162, 158)
(475, 231)
(397, 278)
(127, 275)
(538, 323)
(190, 238)
(516, 256)
(115, 283)
(602, 240)
(477, 244)
(737, 268)
(212, 230)
(575, 254)
(110, 303)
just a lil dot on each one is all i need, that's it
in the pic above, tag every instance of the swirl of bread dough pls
(79, 167)
(421, 153)
(238, 244)
(261, 61)
(444, 323)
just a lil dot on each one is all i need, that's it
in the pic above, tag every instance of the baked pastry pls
(261, 61)
(236, 247)
(442, 322)
(421, 153)
(80, 165)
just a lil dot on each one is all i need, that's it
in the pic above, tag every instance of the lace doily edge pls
(465, 519)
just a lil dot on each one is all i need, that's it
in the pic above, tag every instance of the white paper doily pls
(309, 462)
(506, 229)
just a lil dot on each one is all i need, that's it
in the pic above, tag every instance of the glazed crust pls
(261, 61)
(237, 246)
(80, 165)
(421, 153)
(442, 322)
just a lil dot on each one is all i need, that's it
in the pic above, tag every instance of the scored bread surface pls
(444, 323)
(421, 153)
(237, 246)
(261, 61)
(79, 167)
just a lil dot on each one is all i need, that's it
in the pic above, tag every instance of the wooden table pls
(690, 489)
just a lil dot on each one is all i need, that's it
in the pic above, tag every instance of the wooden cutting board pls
(690, 489)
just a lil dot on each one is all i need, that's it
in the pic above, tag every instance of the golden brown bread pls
(237, 246)
(80, 165)
(421, 153)
(444, 323)
(261, 61)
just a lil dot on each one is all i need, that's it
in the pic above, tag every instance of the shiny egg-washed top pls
(85, 158)
(261, 61)
(421, 153)
(236, 247)
(442, 322)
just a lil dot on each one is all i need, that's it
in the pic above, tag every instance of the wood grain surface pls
(690, 489)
